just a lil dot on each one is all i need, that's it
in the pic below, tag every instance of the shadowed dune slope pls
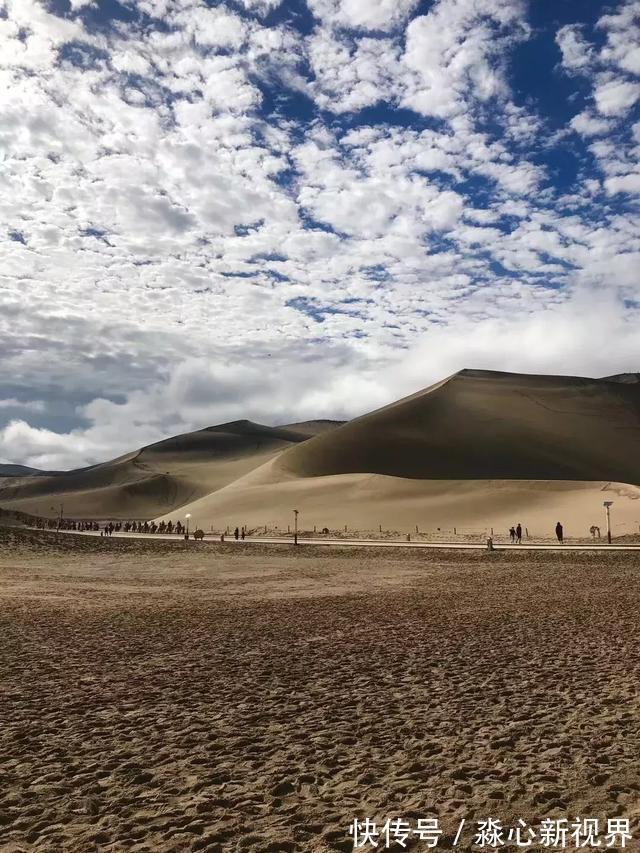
(157, 478)
(489, 425)
(8, 470)
(627, 378)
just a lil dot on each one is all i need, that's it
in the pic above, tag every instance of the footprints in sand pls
(191, 723)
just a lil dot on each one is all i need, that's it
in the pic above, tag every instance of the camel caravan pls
(109, 528)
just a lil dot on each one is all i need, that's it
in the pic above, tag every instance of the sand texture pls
(161, 699)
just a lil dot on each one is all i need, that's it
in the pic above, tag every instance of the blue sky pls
(284, 210)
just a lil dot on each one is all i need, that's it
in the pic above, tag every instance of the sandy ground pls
(157, 698)
(371, 501)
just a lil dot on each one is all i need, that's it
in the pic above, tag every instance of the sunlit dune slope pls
(157, 478)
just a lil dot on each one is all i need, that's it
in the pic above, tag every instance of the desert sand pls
(156, 478)
(478, 450)
(158, 697)
(370, 501)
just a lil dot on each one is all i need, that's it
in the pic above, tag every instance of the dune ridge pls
(489, 425)
(159, 477)
(477, 449)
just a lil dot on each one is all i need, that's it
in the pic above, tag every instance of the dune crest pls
(477, 450)
(488, 425)
(474, 450)
(158, 478)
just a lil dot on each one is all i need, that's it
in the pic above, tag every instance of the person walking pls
(512, 534)
(559, 532)
(236, 533)
(519, 534)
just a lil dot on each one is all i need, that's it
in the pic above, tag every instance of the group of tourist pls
(109, 528)
(179, 529)
(515, 533)
(65, 524)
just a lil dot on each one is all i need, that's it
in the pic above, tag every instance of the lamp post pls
(607, 506)
(188, 516)
(295, 527)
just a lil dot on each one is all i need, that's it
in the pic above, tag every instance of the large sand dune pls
(487, 425)
(368, 502)
(157, 478)
(478, 450)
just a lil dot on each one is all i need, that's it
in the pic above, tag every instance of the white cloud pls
(588, 125)
(623, 184)
(350, 76)
(622, 29)
(212, 27)
(381, 15)
(260, 6)
(577, 53)
(454, 52)
(615, 97)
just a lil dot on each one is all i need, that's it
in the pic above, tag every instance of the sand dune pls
(9, 470)
(478, 450)
(486, 425)
(368, 502)
(159, 477)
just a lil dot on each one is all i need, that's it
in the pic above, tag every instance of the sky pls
(292, 209)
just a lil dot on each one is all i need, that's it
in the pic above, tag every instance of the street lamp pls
(295, 527)
(188, 516)
(607, 505)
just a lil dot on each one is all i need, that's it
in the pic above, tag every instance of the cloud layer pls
(210, 212)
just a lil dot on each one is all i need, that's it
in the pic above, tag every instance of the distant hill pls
(8, 470)
(626, 378)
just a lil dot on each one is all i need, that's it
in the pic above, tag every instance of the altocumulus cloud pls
(279, 211)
